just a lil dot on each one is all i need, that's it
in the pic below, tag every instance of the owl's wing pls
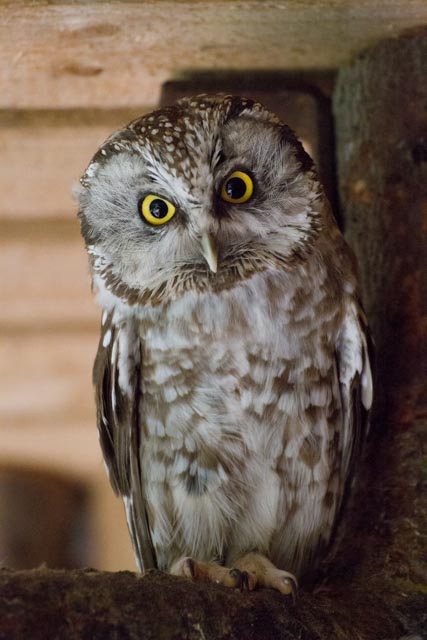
(353, 353)
(116, 376)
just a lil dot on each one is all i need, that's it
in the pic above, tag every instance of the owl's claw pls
(292, 584)
(188, 567)
(237, 575)
(245, 582)
(282, 581)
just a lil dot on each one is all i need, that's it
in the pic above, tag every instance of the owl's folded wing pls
(354, 351)
(116, 376)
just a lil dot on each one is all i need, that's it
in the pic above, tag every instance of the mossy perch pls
(376, 577)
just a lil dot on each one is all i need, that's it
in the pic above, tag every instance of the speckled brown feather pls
(119, 433)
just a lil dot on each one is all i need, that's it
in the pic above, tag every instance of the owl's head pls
(199, 195)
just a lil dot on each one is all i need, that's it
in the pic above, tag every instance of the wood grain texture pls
(67, 54)
(47, 287)
(46, 379)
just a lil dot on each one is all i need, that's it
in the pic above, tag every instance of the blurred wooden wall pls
(49, 321)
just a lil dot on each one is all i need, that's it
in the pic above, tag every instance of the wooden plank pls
(112, 546)
(43, 156)
(47, 408)
(71, 450)
(47, 283)
(64, 54)
(47, 424)
(45, 379)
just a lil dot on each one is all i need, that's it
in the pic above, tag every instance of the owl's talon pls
(242, 579)
(282, 581)
(244, 582)
(248, 582)
(293, 586)
(236, 575)
(189, 568)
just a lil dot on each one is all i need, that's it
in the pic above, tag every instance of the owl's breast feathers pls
(231, 422)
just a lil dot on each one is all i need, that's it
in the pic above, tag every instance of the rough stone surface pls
(381, 117)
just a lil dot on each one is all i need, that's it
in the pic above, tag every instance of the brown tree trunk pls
(375, 580)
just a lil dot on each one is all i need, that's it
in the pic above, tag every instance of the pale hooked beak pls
(210, 251)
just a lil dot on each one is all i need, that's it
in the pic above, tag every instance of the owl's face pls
(198, 195)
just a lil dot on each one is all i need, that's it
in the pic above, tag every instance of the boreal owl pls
(232, 375)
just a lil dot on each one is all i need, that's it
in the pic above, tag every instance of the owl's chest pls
(213, 363)
(232, 386)
(203, 347)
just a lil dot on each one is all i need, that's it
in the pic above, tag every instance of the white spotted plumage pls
(228, 402)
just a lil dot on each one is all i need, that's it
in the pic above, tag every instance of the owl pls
(232, 376)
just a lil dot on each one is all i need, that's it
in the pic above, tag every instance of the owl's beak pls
(210, 251)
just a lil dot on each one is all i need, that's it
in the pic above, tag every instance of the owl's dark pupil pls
(235, 188)
(158, 209)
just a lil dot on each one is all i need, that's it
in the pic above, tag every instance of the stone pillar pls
(381, 128)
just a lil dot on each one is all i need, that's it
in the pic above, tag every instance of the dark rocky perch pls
(373, 585)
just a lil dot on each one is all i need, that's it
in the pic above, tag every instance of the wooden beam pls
(118, 54)
(47, 287)
(43, 155)
(46, 380)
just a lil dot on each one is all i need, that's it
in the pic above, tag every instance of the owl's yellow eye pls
(237, 188)
(156, 210)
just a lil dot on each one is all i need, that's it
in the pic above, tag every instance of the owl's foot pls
(266, 574)
(212, 572)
